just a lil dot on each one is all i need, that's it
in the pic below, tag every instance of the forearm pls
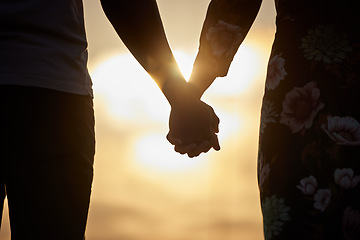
(201, 77)
(138, 24)
(225, 27)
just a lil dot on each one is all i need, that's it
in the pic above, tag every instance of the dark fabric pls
(309, 148)
(43, 44)
(46, 161)
(309, 152)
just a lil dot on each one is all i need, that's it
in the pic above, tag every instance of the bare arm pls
(226, 24)
(138, 24)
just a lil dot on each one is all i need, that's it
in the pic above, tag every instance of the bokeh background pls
(142, 189)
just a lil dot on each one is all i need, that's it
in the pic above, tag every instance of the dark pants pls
(46, 162)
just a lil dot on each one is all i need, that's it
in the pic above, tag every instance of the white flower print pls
(345, 178)
(343, 130)
(300, 107)
(275, 214)
(308, 185)
(322, 199)
(325, 44)
(268, 114)
(223, 38)
(276, 71)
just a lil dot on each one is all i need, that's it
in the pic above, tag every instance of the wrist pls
(194, 90)
(202, 76)
(181, 94)
(175, 91)
(200, 81)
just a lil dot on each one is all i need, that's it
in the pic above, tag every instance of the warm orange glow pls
(131, 95)
(162, 158)
(185, 62)
(129, 91)
(243, 71)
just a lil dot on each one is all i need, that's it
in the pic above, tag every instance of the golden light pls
(128, 90)
(185, 63)
(229, 124)
(131, 92)
(243, 70)
(163, 158)
(132, 96)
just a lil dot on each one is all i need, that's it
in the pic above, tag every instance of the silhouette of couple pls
(309, 148)
(193, 124)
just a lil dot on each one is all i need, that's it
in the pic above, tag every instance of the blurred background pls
(142, 189)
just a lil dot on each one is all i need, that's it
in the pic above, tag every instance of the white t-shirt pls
(43, 44)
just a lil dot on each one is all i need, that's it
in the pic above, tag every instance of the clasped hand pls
(193, 126)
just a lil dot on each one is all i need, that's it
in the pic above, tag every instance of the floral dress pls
(309, 143)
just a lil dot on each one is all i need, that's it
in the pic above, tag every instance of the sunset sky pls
(142, 189)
